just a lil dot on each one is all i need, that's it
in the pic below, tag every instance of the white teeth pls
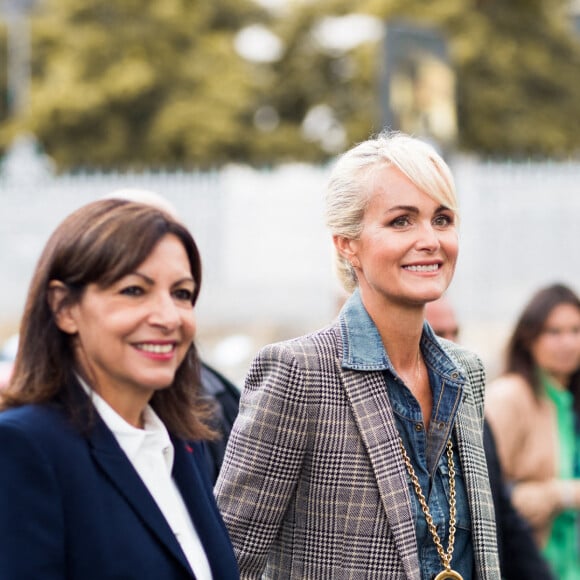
(430, 268)
(156, 348)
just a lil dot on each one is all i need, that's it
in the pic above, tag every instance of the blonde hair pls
(351, 184)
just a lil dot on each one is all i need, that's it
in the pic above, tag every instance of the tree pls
(118, 85)
(517, 69)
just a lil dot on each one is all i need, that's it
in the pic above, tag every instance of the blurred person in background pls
(7, 355)
(533, 409)
(519, 555)
(226, 398)
(358, 450)
(224, 395)
(102, 424)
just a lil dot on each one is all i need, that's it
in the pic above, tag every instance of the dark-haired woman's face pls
(557, 348)
(132, 336)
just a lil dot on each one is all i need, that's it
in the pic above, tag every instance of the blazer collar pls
(112, 460)
(362, 348)
(189, 472)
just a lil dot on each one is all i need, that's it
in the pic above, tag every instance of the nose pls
(427, 238)
(164, 312)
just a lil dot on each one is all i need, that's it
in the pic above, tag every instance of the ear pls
(347, 249)
(61, 310)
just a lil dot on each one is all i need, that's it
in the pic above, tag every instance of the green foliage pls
(520, 94)
(118, 85)
(127, 84)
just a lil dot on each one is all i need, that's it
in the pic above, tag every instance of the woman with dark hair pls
(533, 409)
(101, 430)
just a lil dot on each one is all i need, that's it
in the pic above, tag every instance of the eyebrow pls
(151, 282)
(413, 209)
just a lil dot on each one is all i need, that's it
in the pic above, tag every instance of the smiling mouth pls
(429, 268)
(156, 348)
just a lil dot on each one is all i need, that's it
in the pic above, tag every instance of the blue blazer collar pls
(122, 475)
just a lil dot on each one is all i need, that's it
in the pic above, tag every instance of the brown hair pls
(531, 323)
(100, 243)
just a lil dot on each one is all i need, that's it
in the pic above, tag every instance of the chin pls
(157, 385)
(430, 296)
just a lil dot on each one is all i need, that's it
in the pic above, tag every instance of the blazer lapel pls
(197, 493)
(373, 414)
(122, 475)
(469, 426)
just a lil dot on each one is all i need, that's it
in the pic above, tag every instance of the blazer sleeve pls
(31, 520)
(264, 456)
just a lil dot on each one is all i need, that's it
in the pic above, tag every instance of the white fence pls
(267, 256)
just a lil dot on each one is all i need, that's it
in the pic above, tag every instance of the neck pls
(400, 328)
(131, 408)
(558, 380)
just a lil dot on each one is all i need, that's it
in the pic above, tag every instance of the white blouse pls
(150, 451)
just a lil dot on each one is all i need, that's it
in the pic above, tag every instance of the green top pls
(562, 550)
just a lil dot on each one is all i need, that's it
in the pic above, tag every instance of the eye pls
(400, 222)
(443, 220)
(557, 331)
(132, 291)
(184, 294)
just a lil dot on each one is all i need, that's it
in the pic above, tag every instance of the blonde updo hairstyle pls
(351, 185)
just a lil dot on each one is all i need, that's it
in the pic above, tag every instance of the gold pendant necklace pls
(447, 573)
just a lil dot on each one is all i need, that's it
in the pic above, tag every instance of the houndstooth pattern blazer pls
(313, 485)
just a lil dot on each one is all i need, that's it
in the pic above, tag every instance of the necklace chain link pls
(445, 556)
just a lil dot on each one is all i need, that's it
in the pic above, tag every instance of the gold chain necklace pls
(448, 573)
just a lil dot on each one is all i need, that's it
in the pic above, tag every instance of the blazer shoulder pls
(462, 355)
(467, 360)
(307, 350)
(36, 418)
(45, 427)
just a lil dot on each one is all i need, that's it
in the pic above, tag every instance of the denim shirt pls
(363, 350)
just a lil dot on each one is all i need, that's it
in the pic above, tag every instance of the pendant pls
(449, 575)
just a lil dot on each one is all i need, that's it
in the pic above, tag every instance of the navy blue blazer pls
(73, 507)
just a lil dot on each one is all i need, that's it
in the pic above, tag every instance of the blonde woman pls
(357, 452)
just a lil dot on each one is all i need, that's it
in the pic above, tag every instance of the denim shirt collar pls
(363, 350)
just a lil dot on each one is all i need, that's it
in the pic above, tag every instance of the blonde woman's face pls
(408, 247)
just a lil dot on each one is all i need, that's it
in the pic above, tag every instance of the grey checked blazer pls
(313, 485)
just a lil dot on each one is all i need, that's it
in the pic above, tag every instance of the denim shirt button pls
(418, 427)
(455, 375)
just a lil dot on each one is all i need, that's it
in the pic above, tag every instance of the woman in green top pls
(534, 411)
